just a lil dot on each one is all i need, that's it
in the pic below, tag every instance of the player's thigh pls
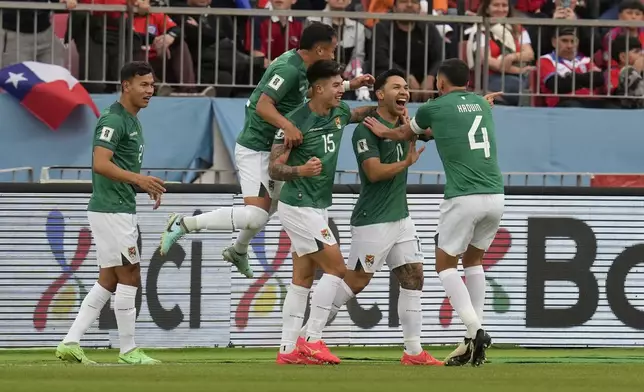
(256, 184)
(115, 236)
(406, 261)
(370, 246)
(456, 225)
(488, 224)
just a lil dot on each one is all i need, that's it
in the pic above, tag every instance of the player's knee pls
(253, 218)
(357, 280)
(410, 276)
(336, 269)
(129, 275)
(303, 279)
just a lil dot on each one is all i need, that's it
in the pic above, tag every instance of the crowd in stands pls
(534, 65)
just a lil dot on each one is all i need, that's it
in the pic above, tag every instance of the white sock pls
(342, 296)
(459, 297)
(321, 304)
(228, 218)
(125, 311)
(293, 316)
(244, 238)
(411, 318)
(88, 313)
(475, 282)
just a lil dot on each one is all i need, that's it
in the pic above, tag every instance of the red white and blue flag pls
(48, 91)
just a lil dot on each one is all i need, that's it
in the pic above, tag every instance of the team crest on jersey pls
(131, 252)
(369, 259)
(338, 123)
(325, 234)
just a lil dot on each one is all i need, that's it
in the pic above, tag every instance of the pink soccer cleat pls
(423, 358)
(317, 350)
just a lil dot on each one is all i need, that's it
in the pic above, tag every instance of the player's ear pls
(380, 94)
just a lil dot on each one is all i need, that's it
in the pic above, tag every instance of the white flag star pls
(15, 79)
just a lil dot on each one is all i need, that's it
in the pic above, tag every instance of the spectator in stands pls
(564, 71)
(509, 54)
(414, 48)
(204, 34)
(569, 10)
(164, 48)
(629, 10)
(351, 44)
(275, 35)
(27, 35)
(626, 60)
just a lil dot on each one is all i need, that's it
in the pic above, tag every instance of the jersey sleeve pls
(109, 132)
(365, 144)
(346, 112)
(423, 118)
(284, 79)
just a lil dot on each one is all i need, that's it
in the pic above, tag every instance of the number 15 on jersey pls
(474, 145)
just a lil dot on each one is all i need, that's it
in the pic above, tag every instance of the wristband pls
(347, 85)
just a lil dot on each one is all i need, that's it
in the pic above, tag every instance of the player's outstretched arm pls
(359, 114)
(280, 171)
(266, 109)
(403, 132)
(103, 165)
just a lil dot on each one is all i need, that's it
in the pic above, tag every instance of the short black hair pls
(323, 69)
(631, 5)
(563, 31)
(316, 33)
(135, 68)
(456, 71)
(381, 80)
(621, 44)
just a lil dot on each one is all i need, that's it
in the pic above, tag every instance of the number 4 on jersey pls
(474, 145)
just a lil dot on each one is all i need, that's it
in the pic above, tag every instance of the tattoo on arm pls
(277, 168)
(359, 114)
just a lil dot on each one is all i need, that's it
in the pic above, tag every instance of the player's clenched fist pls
(152, 185)
(311, 168)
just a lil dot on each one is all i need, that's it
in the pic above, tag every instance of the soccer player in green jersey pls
(381, 229)
(116, 162)
(283, 87)
(309, 171)
(462, 126)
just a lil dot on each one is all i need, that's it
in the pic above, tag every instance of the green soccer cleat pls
(137, 357)
(239, 260)
(174, 230)
(72, 353)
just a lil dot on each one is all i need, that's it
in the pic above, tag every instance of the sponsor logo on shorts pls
(369, 259)
(325, 234)
(338, 123)
(131, 252)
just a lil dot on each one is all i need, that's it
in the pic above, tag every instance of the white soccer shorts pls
(307, 228)
(395, 243)
(115, 236)
(469, 220)
(253, 173)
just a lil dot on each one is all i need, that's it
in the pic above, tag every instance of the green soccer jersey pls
(381, 201)
(118, 131)
(321, 138)
(463, 130)
(285, 82)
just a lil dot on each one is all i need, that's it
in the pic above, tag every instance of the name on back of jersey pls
(469, 108)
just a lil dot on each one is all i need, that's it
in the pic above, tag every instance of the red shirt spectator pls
(155, 26)
(270, 36)
(551, 66)
(529, 6)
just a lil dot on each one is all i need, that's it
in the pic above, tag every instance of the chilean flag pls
(48, 91)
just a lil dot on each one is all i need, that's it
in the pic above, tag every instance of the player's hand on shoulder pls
(375, 126)
(311, 168)
(292, 137)
(152, 185)
(414, 154)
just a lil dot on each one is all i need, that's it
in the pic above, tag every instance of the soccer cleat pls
(479, 344)
(137, 357)
(295, 358)
(423, 358)
(461, 355)
(317, 350)
(239, 260)
(72, 353)
(174, 230)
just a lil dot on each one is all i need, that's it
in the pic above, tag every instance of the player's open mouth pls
(147, 99)
(401, 103)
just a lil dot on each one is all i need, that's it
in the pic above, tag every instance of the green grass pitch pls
(362, 369)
